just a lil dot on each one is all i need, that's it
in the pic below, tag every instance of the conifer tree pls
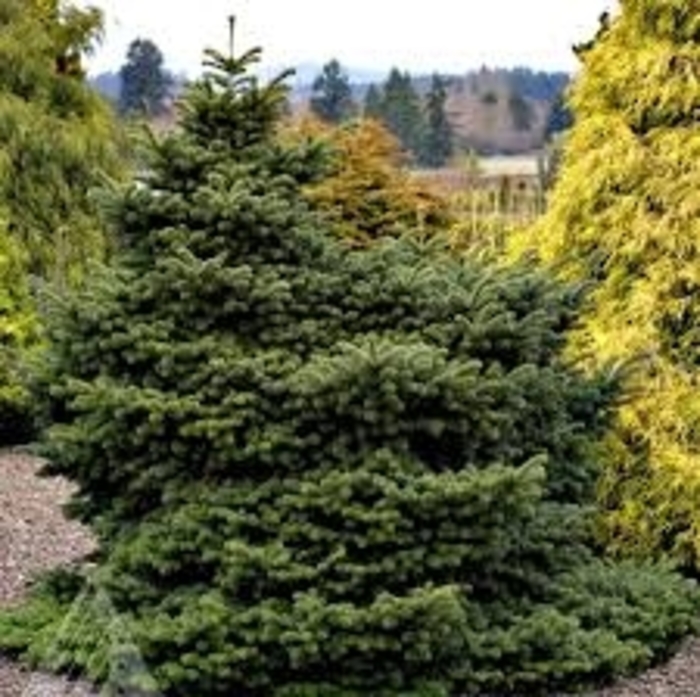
(521, 112)
(323, 472)
(367, 195)
(436, 147)
(44, 181)
(372, 107)
(331, 98)
(57, 141)
(18, 330)
(626, 214)
(145, 83)
(401, 110)
(559, 119)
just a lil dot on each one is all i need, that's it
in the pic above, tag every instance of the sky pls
(441, 35)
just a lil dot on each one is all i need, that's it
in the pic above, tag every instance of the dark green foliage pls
(520, 112)
(560, 117)
(535, 84)
(372, 108)
(331, 98)
(145, 84)
(401, 110)
(436, 147)
(316, 471)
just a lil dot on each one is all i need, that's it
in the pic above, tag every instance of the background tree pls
(560, 117)
(331, 97)
(520, 112)
(401, 110)
(367, 194)
(535, 85)
(317, 471)
(625, 213)
(372, 108)
(145, 84)
(58, 141)
(437, 146)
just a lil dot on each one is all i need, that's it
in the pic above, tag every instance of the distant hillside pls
(492, 110)
(503, 111)
(108, 84)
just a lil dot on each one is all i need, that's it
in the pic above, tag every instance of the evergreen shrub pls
(321, 471)
(624, 216)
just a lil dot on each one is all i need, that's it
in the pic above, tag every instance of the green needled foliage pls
(315, 471)
(401, 110)
(145, 83)
(57, 137)
(57, 142)
(331, 98)
(437, 145)
(626, 214)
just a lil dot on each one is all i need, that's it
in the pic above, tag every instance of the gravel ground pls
(35, 536)
(680, 677)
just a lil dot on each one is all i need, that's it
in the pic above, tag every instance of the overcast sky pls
(443, 35)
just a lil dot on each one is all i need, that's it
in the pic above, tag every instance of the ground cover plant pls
(314, 470)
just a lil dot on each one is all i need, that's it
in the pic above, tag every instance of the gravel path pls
(35, 536)
(678, 678)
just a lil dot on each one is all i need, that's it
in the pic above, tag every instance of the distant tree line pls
(142, 86)
(536, 84)
(145, 83)
(414, 109)
(420, 123)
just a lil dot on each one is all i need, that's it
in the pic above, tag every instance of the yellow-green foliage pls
(58, 141)
(369, 195)
(18, 330)
(57, 137)
(626, 214)
(486, 216)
